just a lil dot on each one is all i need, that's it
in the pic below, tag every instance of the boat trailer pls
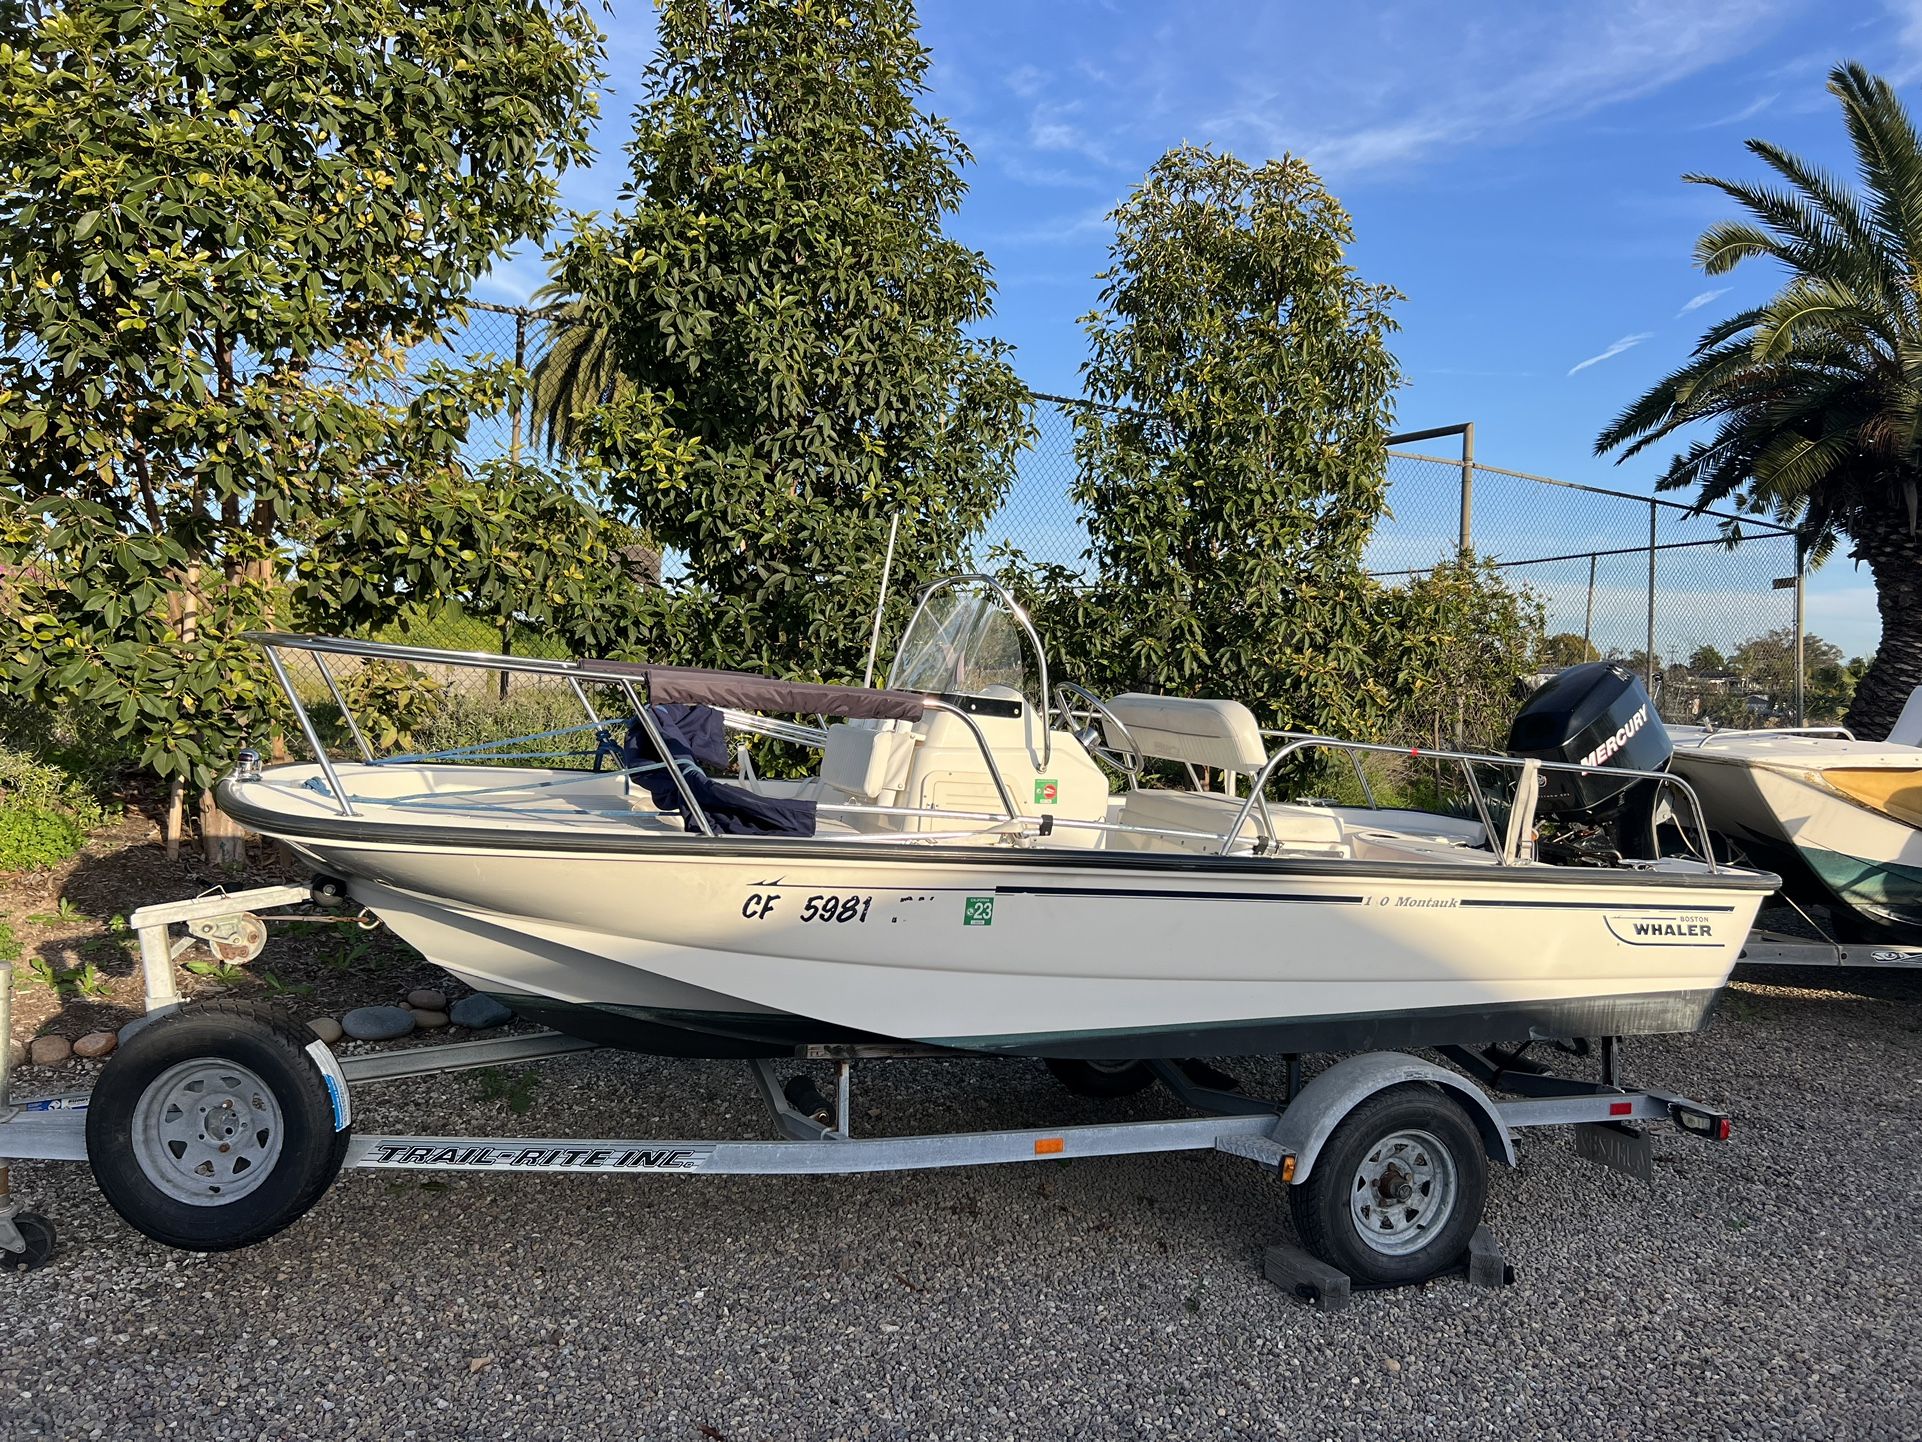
(1384, 1153)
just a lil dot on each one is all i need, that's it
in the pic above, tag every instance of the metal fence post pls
(1801, 633)
(514, 455)
(1649, 660)
(1468, 488)
(1588, 615)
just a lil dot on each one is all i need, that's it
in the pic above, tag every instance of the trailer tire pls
(213, 1128)
(1103, 1080)
(1397, 1190)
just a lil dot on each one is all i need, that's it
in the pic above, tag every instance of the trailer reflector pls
(1288, 1169)
(1048, 1146)
(1621, 1109)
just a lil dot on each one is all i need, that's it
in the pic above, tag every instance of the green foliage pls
(9, 945)
(25, 781)
(1766, 665)
(1707, 661)
(514, 1088)
(793, 332)
(1228, 505)
(83, 980)
(222, 225)
(389, 700)
(32, 835)
(1565, 648)
(1457, 641)
(1807, 406)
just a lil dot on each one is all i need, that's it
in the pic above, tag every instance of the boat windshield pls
(962, 641)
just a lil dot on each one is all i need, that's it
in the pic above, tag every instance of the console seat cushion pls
(1201, 732)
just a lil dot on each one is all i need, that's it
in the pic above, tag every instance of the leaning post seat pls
(1218, 735)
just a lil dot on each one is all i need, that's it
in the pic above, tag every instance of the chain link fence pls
(1705, 605)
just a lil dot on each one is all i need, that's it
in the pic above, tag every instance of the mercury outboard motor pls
(1596, 716)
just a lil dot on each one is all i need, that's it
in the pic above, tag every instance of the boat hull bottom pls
(736, 1035)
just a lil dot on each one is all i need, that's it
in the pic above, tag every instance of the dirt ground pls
(78, 970)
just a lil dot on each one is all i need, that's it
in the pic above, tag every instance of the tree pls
(792, 329)
(1233, 465)
(1456, 643)
(1707, 661)
(1814, 397)
(222, 227)
(574, 373)
(1565, 648)
(1766, 665)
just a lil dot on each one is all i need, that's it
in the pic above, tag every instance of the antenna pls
(881, 601)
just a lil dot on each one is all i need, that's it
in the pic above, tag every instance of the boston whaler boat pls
(956, 873)
(979, 863)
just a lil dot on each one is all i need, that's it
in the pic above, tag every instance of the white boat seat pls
(1201, 732)
(1298, 829)
(866, 762)
(1907, 730)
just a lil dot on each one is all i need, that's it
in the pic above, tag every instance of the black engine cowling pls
(1597, 716)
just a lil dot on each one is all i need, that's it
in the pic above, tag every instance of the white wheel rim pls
(207, 1132)
(1403, 1193)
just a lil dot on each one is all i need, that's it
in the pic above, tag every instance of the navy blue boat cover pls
(697, 739)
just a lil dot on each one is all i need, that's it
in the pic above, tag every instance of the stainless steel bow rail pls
(1497, 1093)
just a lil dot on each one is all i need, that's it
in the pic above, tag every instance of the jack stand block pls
(1307, 1278)
(1487, 1267)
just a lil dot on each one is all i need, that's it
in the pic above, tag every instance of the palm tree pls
(1815, 398)
(575, 373)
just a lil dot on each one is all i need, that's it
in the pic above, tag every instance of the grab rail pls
(1302, 742)
(574, 672)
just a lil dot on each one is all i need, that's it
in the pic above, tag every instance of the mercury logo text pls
(1615, 743)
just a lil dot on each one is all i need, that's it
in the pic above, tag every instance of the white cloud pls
(1697, 302)
(1486, 83)
(1026, 81)
(1627, 342)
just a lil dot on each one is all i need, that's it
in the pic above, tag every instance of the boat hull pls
(1044, 953)
(1861, 863)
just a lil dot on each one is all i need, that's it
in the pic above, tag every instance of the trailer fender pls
(1322, 1104)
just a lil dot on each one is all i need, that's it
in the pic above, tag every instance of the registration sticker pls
(1047, 791)
(979, 911)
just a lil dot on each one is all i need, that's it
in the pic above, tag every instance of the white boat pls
(1840, 819)
(967, 880)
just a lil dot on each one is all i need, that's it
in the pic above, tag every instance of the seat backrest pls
(867, 761)
(1221, 734)
(1907, 730)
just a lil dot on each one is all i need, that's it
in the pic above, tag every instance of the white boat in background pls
(957, 873)
(1840, 819)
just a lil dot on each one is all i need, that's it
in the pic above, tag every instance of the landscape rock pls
(96, 1044)
(430, 1020)
(377, 1023)
(16, 1052)
(326, 1028)
(49, 1050)
(479, 1012)
(425, 998)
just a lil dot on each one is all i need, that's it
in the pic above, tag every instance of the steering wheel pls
(1098, 728)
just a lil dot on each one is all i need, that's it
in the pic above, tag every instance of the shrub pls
(34, 835)
(25, 781)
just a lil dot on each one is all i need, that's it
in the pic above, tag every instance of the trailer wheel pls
(37, 1233)
(1101, 1079)
(214, 1128)
(1397, 1189)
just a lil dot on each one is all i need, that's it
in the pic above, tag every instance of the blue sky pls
(1514, 169)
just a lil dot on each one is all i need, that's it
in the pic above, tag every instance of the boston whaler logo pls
(1680, 928)
(1612, 744)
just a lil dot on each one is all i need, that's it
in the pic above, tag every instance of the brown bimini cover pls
(692, 686)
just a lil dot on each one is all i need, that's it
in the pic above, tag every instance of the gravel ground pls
(1764, 1288)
